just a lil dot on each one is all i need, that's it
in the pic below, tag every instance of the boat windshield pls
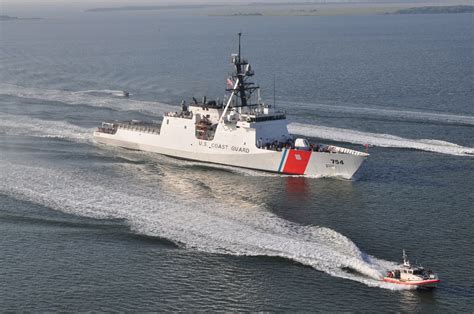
(417, 272)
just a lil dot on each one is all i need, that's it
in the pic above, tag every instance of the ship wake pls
(383, 113)
(27, 126)
(379, 139)
(211, 226)
(98, 98)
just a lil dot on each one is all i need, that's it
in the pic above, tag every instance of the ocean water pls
(87, 227)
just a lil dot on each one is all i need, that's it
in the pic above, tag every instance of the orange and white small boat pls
(412, 275)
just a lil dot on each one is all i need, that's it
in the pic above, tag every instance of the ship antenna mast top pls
(240, 35)
(242, 68)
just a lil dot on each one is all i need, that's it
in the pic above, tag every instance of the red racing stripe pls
(296, 161)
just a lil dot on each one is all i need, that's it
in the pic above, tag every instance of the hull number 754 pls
(337, 162)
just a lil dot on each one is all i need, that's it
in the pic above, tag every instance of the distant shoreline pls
(16, 18)
(199, 6)
(300, 9)
(151, 8)
(448, 9)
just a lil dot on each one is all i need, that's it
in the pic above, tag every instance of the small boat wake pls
(93, 98)
(214, 227)
(117, 93)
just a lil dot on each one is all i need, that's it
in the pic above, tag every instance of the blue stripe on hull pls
(282, 159)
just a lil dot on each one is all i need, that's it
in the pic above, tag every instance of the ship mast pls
(241, 88)
(242, 72)
(240, 77)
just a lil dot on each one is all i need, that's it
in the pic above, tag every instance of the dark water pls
(86, 227)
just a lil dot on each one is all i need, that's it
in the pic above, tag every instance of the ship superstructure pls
(241, 130)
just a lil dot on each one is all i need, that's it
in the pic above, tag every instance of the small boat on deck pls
(412, 275)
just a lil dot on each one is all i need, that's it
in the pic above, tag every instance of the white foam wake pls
(86, 98)
(377, 139)
(211, 227)
(113, 92)
(27, 126)
(405, 115)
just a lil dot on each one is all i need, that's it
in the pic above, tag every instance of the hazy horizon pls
(63, 8)
(185, 2)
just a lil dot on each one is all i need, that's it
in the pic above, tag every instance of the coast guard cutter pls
(240, 131)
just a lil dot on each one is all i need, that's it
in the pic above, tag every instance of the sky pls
(158, 2)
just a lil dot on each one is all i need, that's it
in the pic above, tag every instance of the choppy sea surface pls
(87, 227)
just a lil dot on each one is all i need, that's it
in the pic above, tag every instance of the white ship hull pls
(287, 161)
